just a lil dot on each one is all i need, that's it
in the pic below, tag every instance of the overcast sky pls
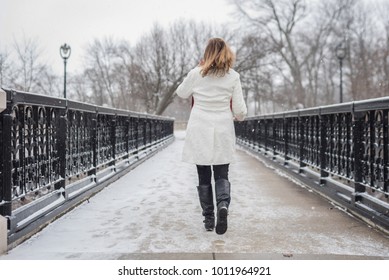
(78, 22)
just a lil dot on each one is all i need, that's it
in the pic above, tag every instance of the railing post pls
(136, 134)
(150, 131)
(159, 136)
(286, 139)
(113, 139)
(132, 134)
(274, 138)
(21, 143)
(171, 128)
(163, 129)
(127, 135)
(266, 134)
(6, 188)
(301, 125)
(155, 125)
(249, 133)
(256, 135)
(144, 132)
(339, 143)
(61, 148)
(386, 150)
(358, 151)
(94, 146)
(372, 177)
(323, 147)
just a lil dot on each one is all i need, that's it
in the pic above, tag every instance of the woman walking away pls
(217, 97)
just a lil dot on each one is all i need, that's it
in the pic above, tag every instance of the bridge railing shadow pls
(57, 152)
(341, 151)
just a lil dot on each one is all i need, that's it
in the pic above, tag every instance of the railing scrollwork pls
(340, 150)
(54, 150)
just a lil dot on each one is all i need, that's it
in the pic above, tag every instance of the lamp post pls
(65, 52)
(340, 51)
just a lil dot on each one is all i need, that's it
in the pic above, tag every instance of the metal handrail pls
(54, 150)
(340, 150)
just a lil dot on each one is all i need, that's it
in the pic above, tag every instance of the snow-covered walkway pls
(155, 209)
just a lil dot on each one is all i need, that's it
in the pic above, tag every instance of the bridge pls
(89, 182)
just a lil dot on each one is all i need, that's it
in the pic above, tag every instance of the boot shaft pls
(223, 191)
(206, 202)
(206, 199)
(223, 199)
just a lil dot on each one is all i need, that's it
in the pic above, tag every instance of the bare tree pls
(100, 58)
(109, 69)
(278, 19)
(382, 56)
(357, 25)
(144, 77)
(164, 57)
(254, 62)
(365, 34)
(49, 83)
(320, 58)
(28, 66)
(79, 89)
(5, 69)
(303, 39)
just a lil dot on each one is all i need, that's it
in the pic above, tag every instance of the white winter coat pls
(210, 134)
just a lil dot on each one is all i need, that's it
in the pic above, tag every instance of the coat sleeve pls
(185, 89)
(239, 108)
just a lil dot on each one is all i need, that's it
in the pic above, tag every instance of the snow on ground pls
(155, 209)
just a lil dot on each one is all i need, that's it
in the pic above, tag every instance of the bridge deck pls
(153, 212)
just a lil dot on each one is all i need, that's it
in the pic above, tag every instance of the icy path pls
(155, 209)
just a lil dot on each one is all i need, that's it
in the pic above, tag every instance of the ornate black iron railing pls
(55, 152)
(341, 150)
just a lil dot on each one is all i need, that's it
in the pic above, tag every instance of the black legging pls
(205, 174)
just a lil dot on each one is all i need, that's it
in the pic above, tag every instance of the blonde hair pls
(218, 58)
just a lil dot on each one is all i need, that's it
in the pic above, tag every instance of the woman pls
(210, 136)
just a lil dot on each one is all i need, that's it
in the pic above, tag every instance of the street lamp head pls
(65, 51)
(340, 51)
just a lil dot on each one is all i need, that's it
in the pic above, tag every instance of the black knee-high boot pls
(223, 199)
(206, 202)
